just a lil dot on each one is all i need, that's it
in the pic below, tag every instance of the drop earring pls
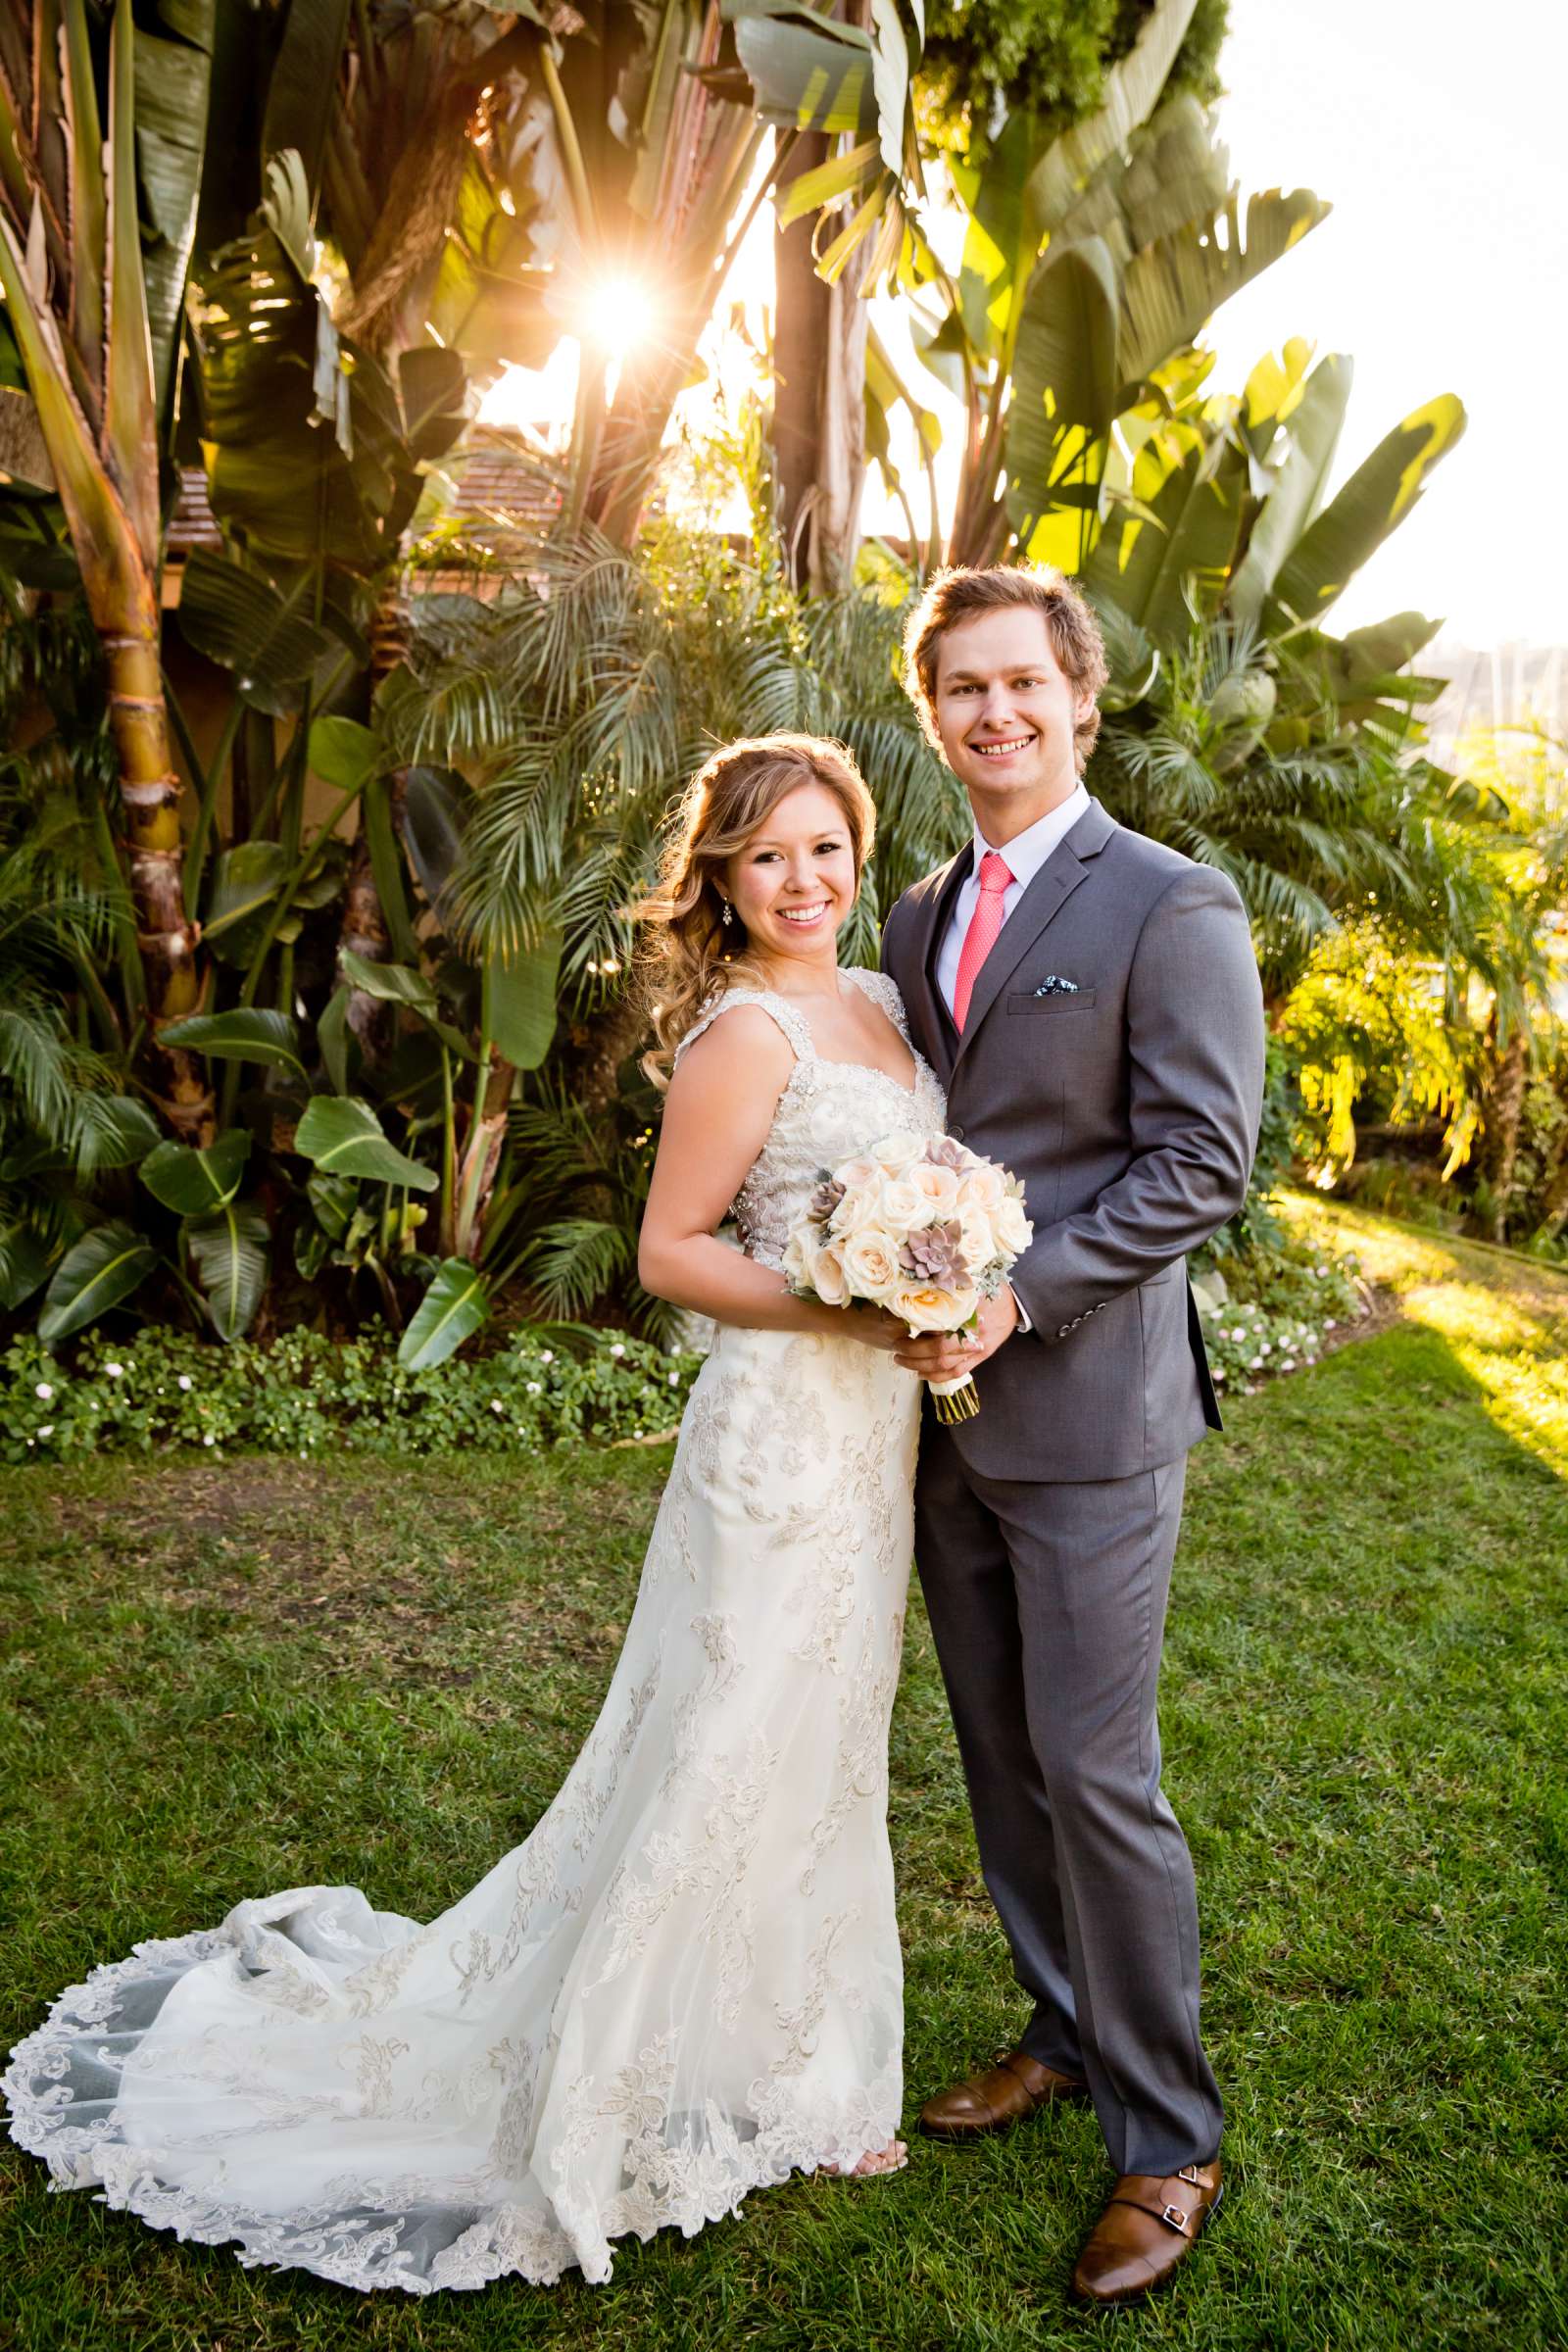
(729, 916)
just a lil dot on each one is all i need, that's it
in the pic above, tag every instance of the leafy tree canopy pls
(1051, 55)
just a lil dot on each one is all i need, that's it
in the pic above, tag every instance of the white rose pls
(978, 1240)
(857, 1174)
(902, 1205)
(895, 1152)
(796, 1267)
(827, 1275)
(983, 1187)
(938, 1186)
(859, 1207)
(923, 1308)
(1012, 1227)
(870, 1265)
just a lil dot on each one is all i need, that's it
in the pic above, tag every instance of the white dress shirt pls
(1025, 855)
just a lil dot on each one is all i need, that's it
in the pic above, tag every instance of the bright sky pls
(1436, 130)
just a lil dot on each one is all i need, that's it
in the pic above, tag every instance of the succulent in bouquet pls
(925, 1230)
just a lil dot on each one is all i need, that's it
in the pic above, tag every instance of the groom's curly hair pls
(961, 592)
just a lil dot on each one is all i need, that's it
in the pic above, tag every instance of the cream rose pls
(984, 1187)
(901, 1204)
(857, 1174)
(1012, 1227)
(827, 1275)
(923, 1308)
(939, 1185)
(978, 1240)
(797, 1270)
(895, 1152)
(871, 1265)
(858, 1206)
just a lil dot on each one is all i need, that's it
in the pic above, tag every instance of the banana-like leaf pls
(173, 78)
(193, 1182)
(1173, 287)
(244, 887)
(344, 754)
(1376, 499)
(247, 1034)
(806, 72)
(336, 1039)
(1064, 375)
(1132, 89)
(1388, 645)
(1315, 425)
(103, 1268)
(433, 386)
(302, 92)
(523, 1007)
(87, 213)
(402, 984)
(342, 1134)
(24, 1261)
(452, 1309)
(334, 1198)
(229, 1250)
(115, 569)
(130, 401)
(118, 1131)
(1146, 569)
(387, 865)
(435, 815)
(389, 983)
(264, 636)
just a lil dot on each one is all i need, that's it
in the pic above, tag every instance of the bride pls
(686, 1981)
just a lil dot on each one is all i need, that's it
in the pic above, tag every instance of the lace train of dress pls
(683, 1985)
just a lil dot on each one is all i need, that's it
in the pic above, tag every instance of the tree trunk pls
(819, 339)
(149, 792)
(1503, 1114)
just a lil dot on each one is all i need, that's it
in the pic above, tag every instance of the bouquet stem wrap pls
(955, 1400)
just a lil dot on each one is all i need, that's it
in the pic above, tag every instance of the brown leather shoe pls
(1008, 2093)
(1149, 2226)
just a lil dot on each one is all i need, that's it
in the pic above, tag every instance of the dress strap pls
(883, 992)
(792, 1022)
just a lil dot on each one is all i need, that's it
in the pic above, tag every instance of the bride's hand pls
(873, 1327)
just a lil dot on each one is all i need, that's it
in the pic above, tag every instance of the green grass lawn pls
(229, 1677)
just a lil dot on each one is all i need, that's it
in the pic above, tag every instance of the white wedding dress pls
(684, 1983)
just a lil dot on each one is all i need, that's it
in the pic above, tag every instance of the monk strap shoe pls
(1010, 2093)
(1149, 2226)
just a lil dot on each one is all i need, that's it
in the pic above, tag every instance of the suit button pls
(956, 1134)
(1062, 1333)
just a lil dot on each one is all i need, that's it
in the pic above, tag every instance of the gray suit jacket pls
(1129, 1107)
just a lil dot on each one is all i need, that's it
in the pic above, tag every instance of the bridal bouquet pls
(925, 1229)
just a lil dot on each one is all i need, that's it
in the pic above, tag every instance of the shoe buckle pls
(1175, 2219)
(1192, 2176)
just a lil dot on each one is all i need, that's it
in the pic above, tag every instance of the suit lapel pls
(1060, 875)
(939, 1036)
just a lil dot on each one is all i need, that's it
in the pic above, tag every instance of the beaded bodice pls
(828, 1111)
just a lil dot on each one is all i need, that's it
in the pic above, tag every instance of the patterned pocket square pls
(1054, 985)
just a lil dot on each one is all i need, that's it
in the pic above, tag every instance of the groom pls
(1091, 1001)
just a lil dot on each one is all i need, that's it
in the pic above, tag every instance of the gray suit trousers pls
(1047, 1605)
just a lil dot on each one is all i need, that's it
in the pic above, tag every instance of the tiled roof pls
(496, 483)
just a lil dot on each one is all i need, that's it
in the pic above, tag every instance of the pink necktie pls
(981, 937)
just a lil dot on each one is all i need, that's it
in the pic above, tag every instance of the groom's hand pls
(944, 1357)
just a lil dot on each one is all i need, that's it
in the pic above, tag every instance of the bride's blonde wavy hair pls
(690, 955)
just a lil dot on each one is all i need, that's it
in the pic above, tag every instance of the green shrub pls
(1270, 1309)
(306, 1395)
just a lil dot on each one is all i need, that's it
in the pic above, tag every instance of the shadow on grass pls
(379, 1676)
